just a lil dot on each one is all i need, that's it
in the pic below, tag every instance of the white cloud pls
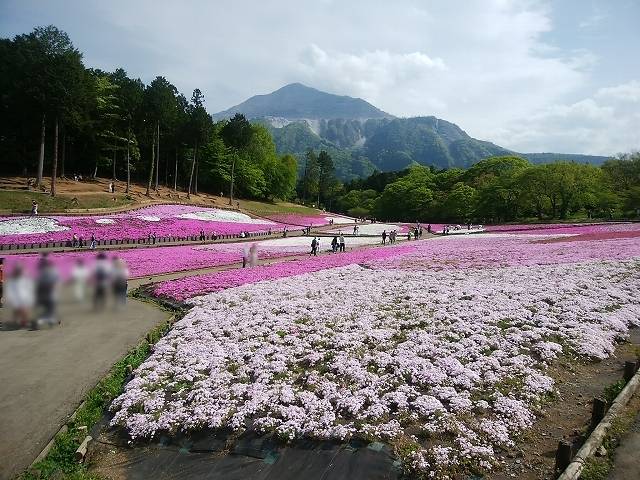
(605, 124)
(626, 92)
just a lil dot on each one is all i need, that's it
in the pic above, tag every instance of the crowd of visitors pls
(33, 297)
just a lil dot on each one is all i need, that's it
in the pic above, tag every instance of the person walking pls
(79, 277)
(341, 240)
(46, 292)
(120, 282)
(101, 280)
(92, 246)
(314, 247)
(384, 237)
(19, 296)
(34, 208)
(334, 244)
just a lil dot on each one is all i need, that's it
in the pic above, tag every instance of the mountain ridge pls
(362, 138)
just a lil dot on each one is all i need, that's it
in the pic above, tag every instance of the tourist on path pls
(79, 277)
(334, 244)
(384, 237)
(314, 247)
(101, 279)
(46, 292)
(342, 245)
(19, 295)
(120, 282)
(34, 208)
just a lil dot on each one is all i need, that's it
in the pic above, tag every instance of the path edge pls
(574, 469)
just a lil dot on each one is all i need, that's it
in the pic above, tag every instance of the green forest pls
(60, 118)
(499, 189)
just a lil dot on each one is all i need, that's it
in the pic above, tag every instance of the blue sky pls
(529, 75)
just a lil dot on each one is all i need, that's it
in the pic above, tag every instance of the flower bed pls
(561, 228)
(163, 220)
(493, 250)
(154, 260)
(188, 287)
(448, 367)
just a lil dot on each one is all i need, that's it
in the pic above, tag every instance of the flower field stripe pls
(163, 220)
(185, 288)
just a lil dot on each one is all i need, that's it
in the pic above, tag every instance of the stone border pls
(574, 469)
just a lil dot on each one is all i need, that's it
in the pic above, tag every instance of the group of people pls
(78, 242)
(446, 229)
(34, 298)
(337, 244)
(392, 236)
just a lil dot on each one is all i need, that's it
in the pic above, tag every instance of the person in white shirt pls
(19, 295)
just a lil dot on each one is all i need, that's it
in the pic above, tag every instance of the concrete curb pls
(573, 471)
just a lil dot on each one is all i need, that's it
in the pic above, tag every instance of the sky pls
(532, 76)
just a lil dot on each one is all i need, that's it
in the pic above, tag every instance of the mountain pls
(299, 102)
(362, 138)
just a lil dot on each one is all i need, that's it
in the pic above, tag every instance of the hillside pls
(296, 101)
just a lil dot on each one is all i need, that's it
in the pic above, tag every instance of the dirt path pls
(44, 374)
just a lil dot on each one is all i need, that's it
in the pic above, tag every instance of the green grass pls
(16, 201)
(277, 208)
(60, 462)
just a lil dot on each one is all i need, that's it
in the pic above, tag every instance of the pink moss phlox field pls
(163, 220)
(457, 356)
(154, 260)
(188, 287)
(491, 251)
(562, 228)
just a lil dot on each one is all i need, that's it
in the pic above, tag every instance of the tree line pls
(499, 189)
(59, 118)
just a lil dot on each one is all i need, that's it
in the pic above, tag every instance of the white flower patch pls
(372, 229)
(456, 358)
(28, 225)
(215, 215)
(149, 218)
(105, 221)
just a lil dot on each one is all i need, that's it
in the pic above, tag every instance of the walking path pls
(626, 464)
(44, 374)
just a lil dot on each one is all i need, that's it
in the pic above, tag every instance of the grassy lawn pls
(13, 201)
(262, 208)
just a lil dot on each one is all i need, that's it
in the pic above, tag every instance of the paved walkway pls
(44, 374)
(627, 460)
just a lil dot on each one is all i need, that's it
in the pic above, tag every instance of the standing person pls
(46, 291)
(342, 245)
(429, 228)
(245, 255)
(76, 244)
(120, 282)
(314, 247)
(92, 246)
(1, 281)
(34, 207)
(384, 237)
(253, 255)
(79, 277)
(355, 229)
(101, 280)
(334, 244)
(415, 233)
(19, 296)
